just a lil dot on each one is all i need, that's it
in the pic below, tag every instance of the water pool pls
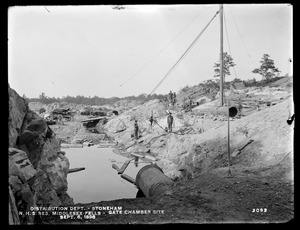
(99, 181)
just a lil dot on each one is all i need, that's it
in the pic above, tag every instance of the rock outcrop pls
(37, 167)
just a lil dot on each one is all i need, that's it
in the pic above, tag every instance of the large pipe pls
(152, 181)
(223, 110)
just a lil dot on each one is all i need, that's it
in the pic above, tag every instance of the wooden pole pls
(221, 55)
(228, 138)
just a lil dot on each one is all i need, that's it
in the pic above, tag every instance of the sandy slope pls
(259, 189)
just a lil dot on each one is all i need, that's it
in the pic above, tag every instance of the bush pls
(42, 110)
(185, 89)
(244, 130)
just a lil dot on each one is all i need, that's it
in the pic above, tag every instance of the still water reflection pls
(99, 181)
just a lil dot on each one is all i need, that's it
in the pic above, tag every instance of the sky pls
(100, 51)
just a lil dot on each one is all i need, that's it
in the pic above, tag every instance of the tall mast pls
(221, 54)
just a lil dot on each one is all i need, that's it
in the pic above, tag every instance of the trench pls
(99, 181)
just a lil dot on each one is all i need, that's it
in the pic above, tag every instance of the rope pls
(159, 125)
(152, 59)
(241, 37)
(184, 54)
(228, 43)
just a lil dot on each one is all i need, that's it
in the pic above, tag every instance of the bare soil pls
(258, 193)
(245, 196)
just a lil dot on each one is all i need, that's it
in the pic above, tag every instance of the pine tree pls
(267, 69)
(227, 63)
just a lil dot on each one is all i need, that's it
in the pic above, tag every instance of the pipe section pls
(152, 181)
(223, 110)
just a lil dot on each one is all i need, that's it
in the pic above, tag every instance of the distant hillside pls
(209, 89)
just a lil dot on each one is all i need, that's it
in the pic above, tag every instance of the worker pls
(170, 97)
(151, 119)
(136, 161)
(174, 99)
(190, 103)
(60, 119)
(170, 121)
(136, 130)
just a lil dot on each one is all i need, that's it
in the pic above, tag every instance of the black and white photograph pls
(150, 114)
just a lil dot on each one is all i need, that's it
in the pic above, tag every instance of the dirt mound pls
(203, 146)
(259, 189)
(124, 123)
(272, 141)
(143, 112)
(286, 82)
(36, 106)
(126, 104)
(210, 89)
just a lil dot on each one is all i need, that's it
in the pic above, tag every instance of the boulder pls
(21, 171)
(37, 167)
(27, 136)
(17, 112)
(45, 194)
(56, 165)
(19, 163)
(38, 126)
(15, 183)
(13, 214)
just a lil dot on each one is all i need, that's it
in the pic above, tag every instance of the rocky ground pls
(259, 189)
(37, 168)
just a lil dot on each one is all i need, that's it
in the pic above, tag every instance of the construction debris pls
(238, 151)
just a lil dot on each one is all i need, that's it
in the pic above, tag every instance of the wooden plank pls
(124, 166)
(63, 145)
(114, 166)
(249, 142)
(238, 151)
(93, 119)
(106, 145)
(128, 178)
(136, 154)
(75, 170)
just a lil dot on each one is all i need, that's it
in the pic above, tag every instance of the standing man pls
(151, 120)
(174, 98)
(170, 121)
(190, 103)
(60, 119)
(170, 97)
(136, 130)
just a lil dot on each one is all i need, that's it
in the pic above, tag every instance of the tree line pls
(267, 70)
(93, 100)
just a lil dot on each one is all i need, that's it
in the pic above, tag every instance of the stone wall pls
(37, 167)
